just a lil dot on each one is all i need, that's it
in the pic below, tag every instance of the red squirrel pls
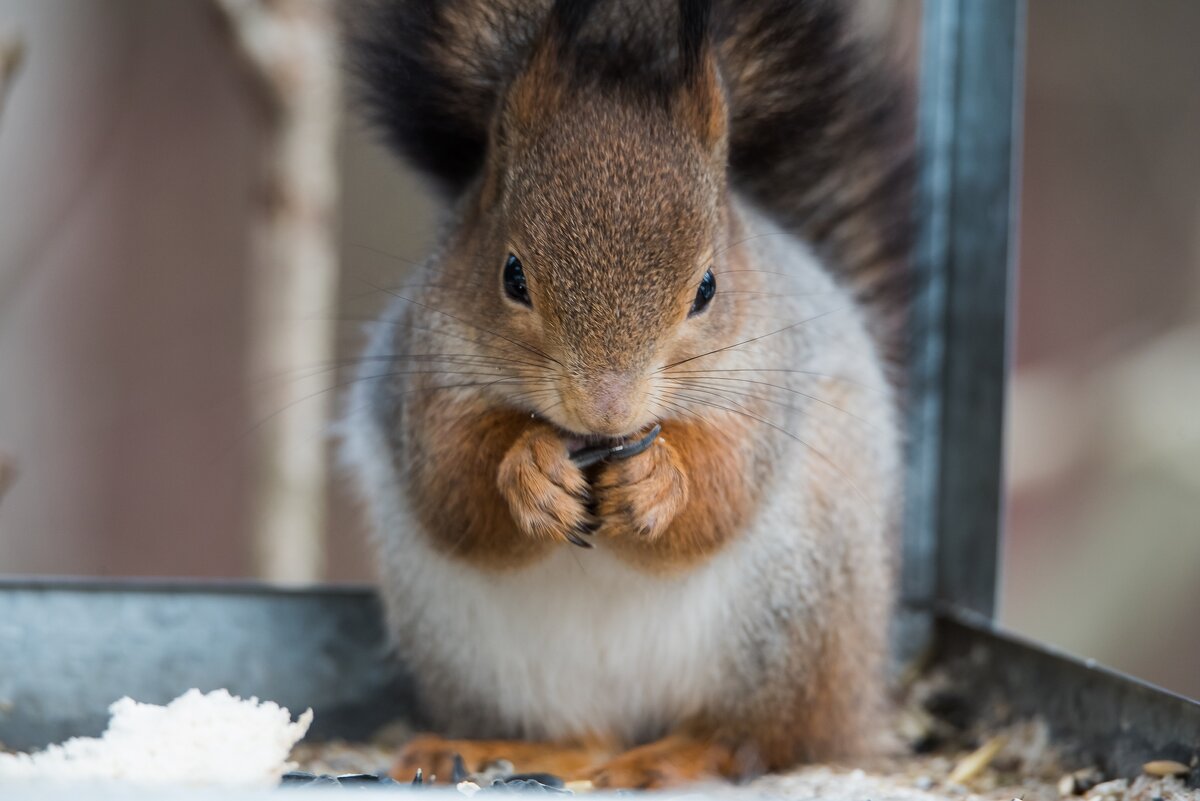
(675, 244)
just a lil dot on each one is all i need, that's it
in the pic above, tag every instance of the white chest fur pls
(580, 642)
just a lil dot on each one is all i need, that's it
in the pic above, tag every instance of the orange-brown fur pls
(518, 494)
(669, 762)
(462, 502)
(687, 500)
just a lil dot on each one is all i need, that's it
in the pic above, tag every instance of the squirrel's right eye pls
(514, 281)
(708, 288)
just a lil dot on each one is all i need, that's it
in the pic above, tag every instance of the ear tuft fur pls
(567, 18)
(693, 35)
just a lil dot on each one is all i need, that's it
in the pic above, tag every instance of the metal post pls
(969, 130)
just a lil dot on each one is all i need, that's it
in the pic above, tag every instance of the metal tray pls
(69, 649)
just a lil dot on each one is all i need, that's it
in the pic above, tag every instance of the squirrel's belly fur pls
(581, 643)
(572, 647)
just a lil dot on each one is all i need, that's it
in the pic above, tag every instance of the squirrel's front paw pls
(641, 495)
(546, 493)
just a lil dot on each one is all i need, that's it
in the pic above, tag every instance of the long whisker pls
(387, 255)
(441, 332)
(712, 373)
(409, 324)
(770, 294)
(341, 385)
(689, 382)
(531, 371)
(761, 272)
(357, 379)
(752, 339)
(674, 408)
(802, 441)
(518, 343)
(453, 358)
(666, 403)
(481, 358)
(543, 412)
(744, 240)
(679, 389)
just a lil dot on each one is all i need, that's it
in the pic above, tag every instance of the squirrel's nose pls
(608, 404)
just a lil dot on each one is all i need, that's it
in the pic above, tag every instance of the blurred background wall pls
(129, 150)
(1102, 553)
(129, 154)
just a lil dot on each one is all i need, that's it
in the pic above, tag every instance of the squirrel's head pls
(600, 218)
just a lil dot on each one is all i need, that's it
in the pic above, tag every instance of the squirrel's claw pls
(575, 539)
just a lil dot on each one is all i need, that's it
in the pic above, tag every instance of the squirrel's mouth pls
(578, 442)
(580, 432)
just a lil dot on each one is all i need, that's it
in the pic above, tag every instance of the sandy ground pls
(1014, 762)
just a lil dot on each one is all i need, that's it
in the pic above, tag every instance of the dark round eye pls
(514, 281)
(705, 292)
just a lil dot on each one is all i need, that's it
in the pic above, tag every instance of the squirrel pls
(676, 241)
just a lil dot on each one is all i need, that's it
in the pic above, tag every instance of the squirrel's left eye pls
(514, 281)
(705, 292)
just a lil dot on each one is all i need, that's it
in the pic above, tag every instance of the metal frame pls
(67, 649)
(971, 78)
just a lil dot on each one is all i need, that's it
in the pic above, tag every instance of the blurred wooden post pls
(8, 474)
(12, 54)
(290, 49)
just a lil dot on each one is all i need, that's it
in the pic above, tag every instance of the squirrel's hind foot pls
(435, 757)
(669, 762)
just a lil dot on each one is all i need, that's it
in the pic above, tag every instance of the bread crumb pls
(213, 739)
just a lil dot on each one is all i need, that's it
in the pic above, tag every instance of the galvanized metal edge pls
(972, 56)
(67, 651)
(939, 55)
(1108, 719)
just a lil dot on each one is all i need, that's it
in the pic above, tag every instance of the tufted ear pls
(703, 99)
(540, 87)
(538, 90)
(694, 16)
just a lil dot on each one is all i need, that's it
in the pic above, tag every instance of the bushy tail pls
(820, 134)
(822, 137)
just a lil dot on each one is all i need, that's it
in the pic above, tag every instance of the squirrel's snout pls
(610, 404)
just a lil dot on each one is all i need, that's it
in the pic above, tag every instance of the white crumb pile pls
(196, 740)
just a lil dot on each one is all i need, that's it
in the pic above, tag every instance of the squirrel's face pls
(602, 225)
